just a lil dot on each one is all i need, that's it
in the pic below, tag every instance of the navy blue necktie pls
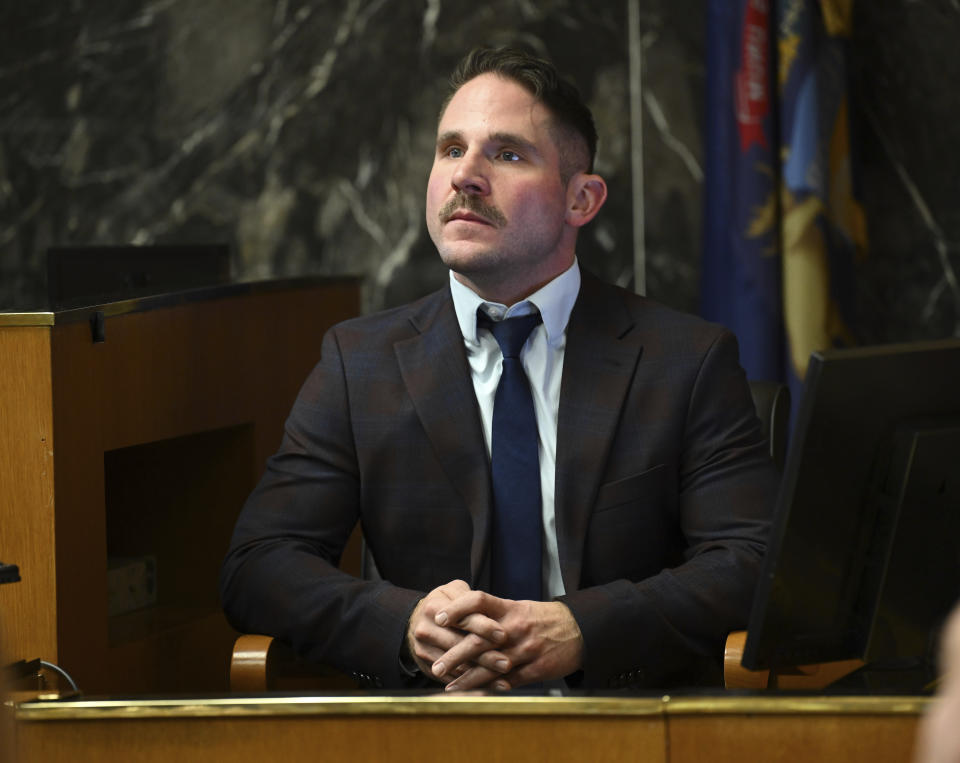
(515, 457)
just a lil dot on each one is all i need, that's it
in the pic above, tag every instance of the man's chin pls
(470, 261)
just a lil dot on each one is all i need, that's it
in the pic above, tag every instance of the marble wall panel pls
(300, 132)
(905, 63)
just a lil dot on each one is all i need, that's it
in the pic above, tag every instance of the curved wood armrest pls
(262, 663)
(735, 676)
(817, 675)
(248, 665)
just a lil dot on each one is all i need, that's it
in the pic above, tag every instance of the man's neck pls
(508, 291)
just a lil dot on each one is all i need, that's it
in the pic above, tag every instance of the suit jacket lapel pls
(601, 356)
(435, 370)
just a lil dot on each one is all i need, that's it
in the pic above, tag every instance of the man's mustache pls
(475, 206)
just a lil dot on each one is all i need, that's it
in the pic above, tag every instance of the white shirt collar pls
(555, 301)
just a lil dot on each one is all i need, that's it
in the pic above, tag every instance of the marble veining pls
(905, 115)
(301, 133)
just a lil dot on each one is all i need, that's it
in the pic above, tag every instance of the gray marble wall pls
(905, 65)
(301, 132)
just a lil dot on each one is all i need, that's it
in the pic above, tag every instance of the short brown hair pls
(539, 77)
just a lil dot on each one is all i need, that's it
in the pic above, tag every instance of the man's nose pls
(470, 175)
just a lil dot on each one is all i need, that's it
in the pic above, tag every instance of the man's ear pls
(585, 195)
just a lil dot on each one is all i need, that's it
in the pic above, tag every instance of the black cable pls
(62, 672)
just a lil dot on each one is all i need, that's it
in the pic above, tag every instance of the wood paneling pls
(476, 728)
(417, 739)
(146, 443)
(27, 609)
(791, 737)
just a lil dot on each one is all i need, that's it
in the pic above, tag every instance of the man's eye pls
(510, 156)
(454, 152)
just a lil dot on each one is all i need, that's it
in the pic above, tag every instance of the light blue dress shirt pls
(542, 359)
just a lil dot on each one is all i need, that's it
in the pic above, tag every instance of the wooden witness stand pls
(147, 443)
(727, 728)
(470, 727)
(144, 444)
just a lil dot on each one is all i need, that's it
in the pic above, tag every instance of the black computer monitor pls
(80, 276)
(864, 554)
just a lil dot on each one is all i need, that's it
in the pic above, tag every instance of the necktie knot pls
(511, 334)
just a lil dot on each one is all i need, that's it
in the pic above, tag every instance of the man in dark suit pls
(654, 483)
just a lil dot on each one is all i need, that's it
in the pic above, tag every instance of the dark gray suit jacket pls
(663, 490)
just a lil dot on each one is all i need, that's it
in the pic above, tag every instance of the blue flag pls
(823, 230)
(740, 266)
(782, 226)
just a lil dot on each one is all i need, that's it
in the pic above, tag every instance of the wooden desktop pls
(466, 728)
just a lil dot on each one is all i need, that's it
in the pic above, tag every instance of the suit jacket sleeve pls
(716, 486)
(280, 575)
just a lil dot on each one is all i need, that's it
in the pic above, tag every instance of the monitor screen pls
(864, 554)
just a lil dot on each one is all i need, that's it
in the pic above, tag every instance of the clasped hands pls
(473, 640)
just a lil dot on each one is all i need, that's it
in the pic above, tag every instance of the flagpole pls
(636, 147)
